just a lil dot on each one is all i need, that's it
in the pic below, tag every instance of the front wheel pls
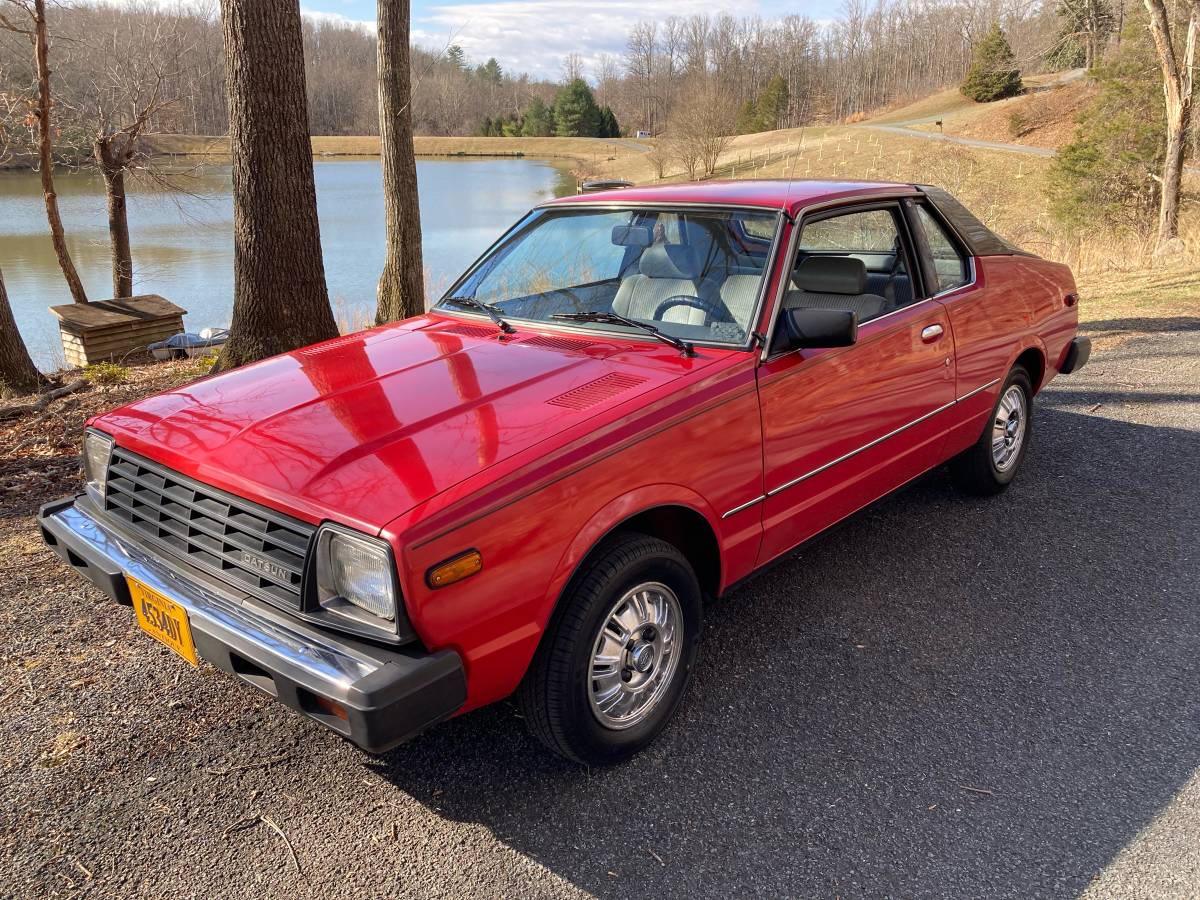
(618, 655)
(991, 464)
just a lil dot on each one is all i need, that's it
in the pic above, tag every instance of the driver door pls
(844, 426)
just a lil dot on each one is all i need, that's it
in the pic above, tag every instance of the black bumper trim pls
(1077, 355)
(388, 695)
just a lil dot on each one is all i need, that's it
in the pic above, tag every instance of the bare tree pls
(280, 299)
(701, 126)
(123, 84)
(18, 374)
(401, 291)
(32, 24)
(1178, 81)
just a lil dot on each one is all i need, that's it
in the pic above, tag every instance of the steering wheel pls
(717, 313)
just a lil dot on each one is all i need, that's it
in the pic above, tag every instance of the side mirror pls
(812, 328)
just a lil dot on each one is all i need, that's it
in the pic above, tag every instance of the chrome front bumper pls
(386, 695)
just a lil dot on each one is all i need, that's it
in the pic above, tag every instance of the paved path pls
(947, 697)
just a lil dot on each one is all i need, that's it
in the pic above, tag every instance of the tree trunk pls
(1172, 176)
(1177, 91)
(18, 374)
(402, 285)
(118, 220)
(280, 300)
(41, 51)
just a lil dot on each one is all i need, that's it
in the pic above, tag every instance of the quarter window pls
(950, 265)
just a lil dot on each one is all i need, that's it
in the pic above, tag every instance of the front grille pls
(248, 547)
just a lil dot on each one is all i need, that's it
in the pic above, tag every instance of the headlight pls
(97, 449)
(356, 578)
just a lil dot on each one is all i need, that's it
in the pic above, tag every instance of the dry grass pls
(593, 152)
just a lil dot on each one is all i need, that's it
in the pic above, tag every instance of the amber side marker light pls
(455, 569)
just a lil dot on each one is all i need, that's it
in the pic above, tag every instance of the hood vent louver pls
(550, 342)
(596, 391)
(479, 331)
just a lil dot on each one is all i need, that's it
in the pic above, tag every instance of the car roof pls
(790, 195)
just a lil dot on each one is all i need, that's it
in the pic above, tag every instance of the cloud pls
(535, 36)
(333, 18)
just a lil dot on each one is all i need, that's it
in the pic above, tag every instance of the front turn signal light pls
(456, 569)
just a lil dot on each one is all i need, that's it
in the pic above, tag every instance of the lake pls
(183, 236)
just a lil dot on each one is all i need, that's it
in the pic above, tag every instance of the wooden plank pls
(153, 325)
(101, 313)
(121, 336)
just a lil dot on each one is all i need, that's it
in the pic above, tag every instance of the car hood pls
(363, 428)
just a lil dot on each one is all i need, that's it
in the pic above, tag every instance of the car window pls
(872, 231)
(856, 260)
(951, 266)
(577, 250)
(694, 274)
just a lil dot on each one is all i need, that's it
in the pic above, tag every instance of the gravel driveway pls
(945, 697)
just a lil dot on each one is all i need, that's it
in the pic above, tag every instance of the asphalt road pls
(947, 697)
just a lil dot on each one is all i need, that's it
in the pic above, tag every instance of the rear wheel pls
(991, 464)
(618, 655)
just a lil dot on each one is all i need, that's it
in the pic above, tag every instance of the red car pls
(630, 403)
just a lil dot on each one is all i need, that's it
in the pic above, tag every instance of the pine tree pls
(608, 124)
(1101, 176)
(773, 104)
(575, 111)
(747, 119)
(538, 120)
(993, 74)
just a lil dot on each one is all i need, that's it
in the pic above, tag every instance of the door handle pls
(932, 333)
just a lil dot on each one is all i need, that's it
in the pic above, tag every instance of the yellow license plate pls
(163, 619)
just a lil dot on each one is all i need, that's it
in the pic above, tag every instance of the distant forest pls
(870, 56)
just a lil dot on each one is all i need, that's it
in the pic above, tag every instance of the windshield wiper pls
(492, 312)
(610, 318)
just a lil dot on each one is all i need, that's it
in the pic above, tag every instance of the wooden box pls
(106, 330)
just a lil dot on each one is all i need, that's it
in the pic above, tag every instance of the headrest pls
(675, 261)
(832, 275)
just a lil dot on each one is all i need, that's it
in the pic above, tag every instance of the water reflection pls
(183, 243)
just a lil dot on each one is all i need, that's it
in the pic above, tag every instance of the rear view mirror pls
(812, 328)
(632, 236)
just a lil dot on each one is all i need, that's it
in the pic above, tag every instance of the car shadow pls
(946, 696)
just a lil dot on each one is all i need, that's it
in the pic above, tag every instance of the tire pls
(568, 698)
(986, 468)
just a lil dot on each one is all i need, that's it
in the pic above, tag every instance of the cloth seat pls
(834, 282)
(665, 270)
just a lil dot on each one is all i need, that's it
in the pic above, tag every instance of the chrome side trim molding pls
(744, 506)
(862, 449)
(978, 390)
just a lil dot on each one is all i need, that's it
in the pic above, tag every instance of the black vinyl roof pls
(980, 239)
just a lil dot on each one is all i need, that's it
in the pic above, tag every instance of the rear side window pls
(951, 266)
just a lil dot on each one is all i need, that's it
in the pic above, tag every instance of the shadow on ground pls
(945, 697)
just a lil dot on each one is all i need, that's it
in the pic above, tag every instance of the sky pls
(535, 36)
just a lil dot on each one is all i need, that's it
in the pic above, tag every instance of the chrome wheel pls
(1008, 429)
(635, 655)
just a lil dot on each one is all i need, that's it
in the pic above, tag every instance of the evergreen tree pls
(747, 119)
(538, 120)
(993, 74)
(575, 111)
(773, 104)
(1102, 177)
(485, 127)
(457, 57)
(608, 123)
(490, 72)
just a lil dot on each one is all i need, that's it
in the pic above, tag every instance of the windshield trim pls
(539, 211)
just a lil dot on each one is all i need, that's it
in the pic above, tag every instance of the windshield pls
(693, 274)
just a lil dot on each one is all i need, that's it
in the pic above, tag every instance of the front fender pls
(610, 516)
